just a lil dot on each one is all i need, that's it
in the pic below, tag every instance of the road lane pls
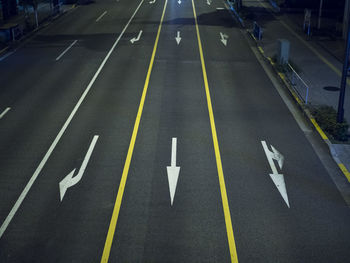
(108, 111)
(248, 110)
(192, 229)
(42, 98)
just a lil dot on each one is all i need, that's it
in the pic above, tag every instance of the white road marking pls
(178, 38)
(69, 180)
(173, 171)
(278, 179)
(152, 2)
(99, 18)
(61, 132)
(179, 2)
(4, 112)
(136, 38)
(208, 2)
(65, 51)
(220, 8)
(224, 38)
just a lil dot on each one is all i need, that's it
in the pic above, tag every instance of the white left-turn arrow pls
(136, 38)
(69, 180)
(277, 178)
(173, 171)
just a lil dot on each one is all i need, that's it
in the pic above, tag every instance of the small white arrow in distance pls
(136, 38)
(179, 2)
(224, 38)
(69, 180)
(152, 2)
(208, 2)
(277, 178)
(173, 171)
(178, 38)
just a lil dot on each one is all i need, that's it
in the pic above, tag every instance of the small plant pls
(326, 117)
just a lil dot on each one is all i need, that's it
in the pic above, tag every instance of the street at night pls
(162, 131)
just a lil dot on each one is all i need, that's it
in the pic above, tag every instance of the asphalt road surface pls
(148, 131)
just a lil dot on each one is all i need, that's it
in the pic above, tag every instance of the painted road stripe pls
(61, 132)
(65, 51)
(4, 112)
(99, 18)
(118, 202)
(226, 208)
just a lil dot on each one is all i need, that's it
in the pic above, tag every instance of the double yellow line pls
(116, 210)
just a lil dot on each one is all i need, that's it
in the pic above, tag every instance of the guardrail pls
(298, 83)
(257, 31)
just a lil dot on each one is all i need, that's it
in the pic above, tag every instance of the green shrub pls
(326, 117)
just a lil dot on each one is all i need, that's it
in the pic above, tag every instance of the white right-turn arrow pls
(173, 171)
(277, 178)
(224, 38)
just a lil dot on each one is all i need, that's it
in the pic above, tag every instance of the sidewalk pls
(317, 60)
(27, 23)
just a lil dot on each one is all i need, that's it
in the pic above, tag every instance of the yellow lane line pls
(118, 202)
(226, 208)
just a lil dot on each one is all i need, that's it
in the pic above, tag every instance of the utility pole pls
(340, 114)
(319, 15)
(345, 18)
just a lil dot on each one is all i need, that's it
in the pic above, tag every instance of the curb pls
(4, 50)
(306, 112)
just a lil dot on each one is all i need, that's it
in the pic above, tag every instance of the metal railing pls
(298, 83)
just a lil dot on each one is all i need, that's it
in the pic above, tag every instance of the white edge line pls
(99, 18)
(65, 51)
(59, 135)
(4, 112)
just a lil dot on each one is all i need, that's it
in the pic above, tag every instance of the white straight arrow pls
(224, 38)
(173, 171)
(178, 38)
(278, 179)
(69, 180)
(179, 2)
(136, 38)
